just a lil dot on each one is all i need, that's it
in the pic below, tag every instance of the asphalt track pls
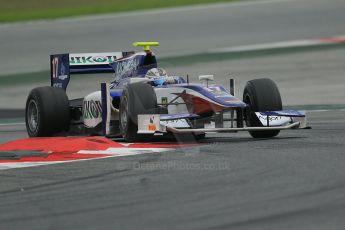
(25, 46)
(295, 181)
(229, 181)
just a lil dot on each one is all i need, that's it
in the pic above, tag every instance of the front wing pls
(158, 124)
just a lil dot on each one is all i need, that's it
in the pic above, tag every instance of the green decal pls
(164, 100)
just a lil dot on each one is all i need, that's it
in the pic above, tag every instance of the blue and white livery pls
(144, 99)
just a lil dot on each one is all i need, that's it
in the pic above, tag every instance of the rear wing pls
(122, 64)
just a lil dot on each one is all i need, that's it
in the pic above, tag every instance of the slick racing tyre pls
(47, 112)
(137, 98)
(261, 95)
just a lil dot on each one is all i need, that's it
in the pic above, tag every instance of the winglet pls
(146, 45)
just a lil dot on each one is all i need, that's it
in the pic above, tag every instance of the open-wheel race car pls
(144, 101)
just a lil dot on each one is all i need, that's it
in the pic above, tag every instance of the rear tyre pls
(47, 112)
(137, 98)
(261, 95)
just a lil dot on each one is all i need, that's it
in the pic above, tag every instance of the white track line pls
(113, 152)
(284, 44)
(125, 151)
(12, 124)
(4, 166)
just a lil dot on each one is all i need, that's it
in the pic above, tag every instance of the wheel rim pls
(124, 113)
(32, 116)
(248, 111)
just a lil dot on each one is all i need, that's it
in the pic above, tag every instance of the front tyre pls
(47, 112)
(137, 98)
(261, 95)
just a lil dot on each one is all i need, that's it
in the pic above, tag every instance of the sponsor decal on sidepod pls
(92, 110)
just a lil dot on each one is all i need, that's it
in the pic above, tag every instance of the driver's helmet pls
(156, 73)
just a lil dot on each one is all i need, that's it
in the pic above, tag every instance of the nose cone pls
(231, 101)
(218, 94)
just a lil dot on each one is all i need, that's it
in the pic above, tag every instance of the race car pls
(144, 101)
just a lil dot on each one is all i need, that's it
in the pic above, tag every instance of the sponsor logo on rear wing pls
(94, 58)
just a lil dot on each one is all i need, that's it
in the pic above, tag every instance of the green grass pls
(22, 10)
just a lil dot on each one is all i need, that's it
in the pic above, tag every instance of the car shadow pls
(207, 140)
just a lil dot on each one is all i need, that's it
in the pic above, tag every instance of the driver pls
(159, 76)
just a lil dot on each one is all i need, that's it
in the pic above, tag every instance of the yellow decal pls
(164, 100)
(146, 45)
